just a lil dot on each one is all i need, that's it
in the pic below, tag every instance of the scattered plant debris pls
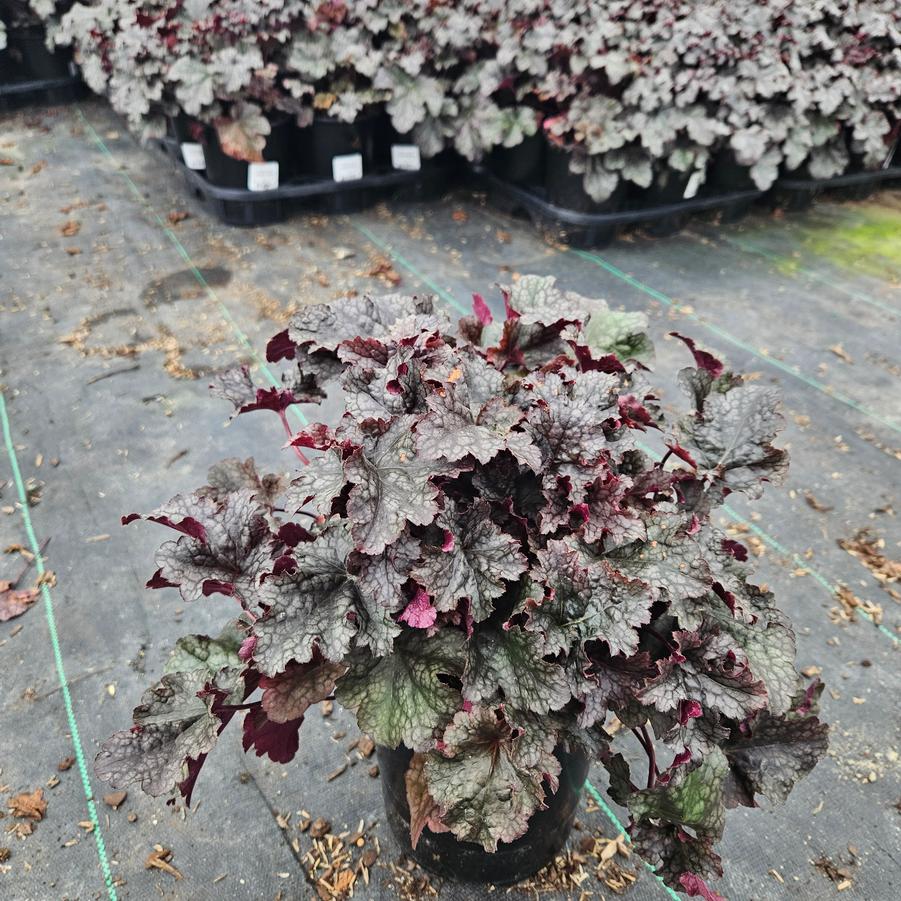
(815, 504)
(411, 882)
(335, 863)
(14, 603)
(29, 806)
(159, 859)
(596, 857)
(115, 799)
(867, 548)
(70, 228)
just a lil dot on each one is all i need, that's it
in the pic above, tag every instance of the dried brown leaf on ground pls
(159, 859)
(115, 799)
(177, 216)
(383, 269)
(850, 604)
(841, 353)
(28, 806)
(815, 504)
(868, 549)
(70, 228)
(15, 603)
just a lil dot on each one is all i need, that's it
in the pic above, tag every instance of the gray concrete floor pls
(106, 340)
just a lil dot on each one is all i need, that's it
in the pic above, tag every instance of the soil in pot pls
(444, 855)
(519, 165)
(284, 145)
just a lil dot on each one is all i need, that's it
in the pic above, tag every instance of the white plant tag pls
(348, 167)
(405, 156)
(192, 154)
(262, 176)
(694, 183)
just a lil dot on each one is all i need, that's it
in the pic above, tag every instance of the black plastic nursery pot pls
(521, 165)
(669, 186)
(565, 189)
(442, 854)
(725, 176)
(28, 59)
(331, 138)
(284, 145)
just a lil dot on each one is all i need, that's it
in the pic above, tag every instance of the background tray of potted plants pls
(331, 165)
(591, 115)
(32, 69)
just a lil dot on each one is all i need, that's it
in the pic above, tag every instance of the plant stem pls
(665, 457)
(284, 418)
(652, 756)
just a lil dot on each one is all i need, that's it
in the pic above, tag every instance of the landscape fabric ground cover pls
(119, 298)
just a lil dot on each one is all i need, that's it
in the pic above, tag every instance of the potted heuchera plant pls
(491, 572)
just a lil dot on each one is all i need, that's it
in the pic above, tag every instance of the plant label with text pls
(348, 167)
(192, 154)
(262, 176)
(405, 156)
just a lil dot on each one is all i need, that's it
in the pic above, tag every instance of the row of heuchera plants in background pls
(638, 93)
(483, 564)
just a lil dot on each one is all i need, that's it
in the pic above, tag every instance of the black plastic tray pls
(799, 193)
(599, 229)
(19, 94)
(238, 206)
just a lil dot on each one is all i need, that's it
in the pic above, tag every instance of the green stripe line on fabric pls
(192, 266)
(793, 371)
(57, 650)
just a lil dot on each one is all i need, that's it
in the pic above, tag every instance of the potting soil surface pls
(119, 297)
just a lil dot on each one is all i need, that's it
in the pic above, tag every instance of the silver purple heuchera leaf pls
(225, 548)
(475, 563)
(488, 779)
(405, 698)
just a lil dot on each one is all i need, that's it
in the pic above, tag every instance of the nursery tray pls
(599, 229)
(799, 193)
(241, 207)
(46, 92)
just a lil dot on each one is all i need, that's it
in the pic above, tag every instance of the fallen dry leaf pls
(29, 806)
(177, 216)
(867, 548)
(73, 251)
(841, 353)
(65, 764)
(815, 504)
(6, 161)
(382, 269)
(159, 858)
(39, 166)
(14, 603)
(70, 228)
(115, 799)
